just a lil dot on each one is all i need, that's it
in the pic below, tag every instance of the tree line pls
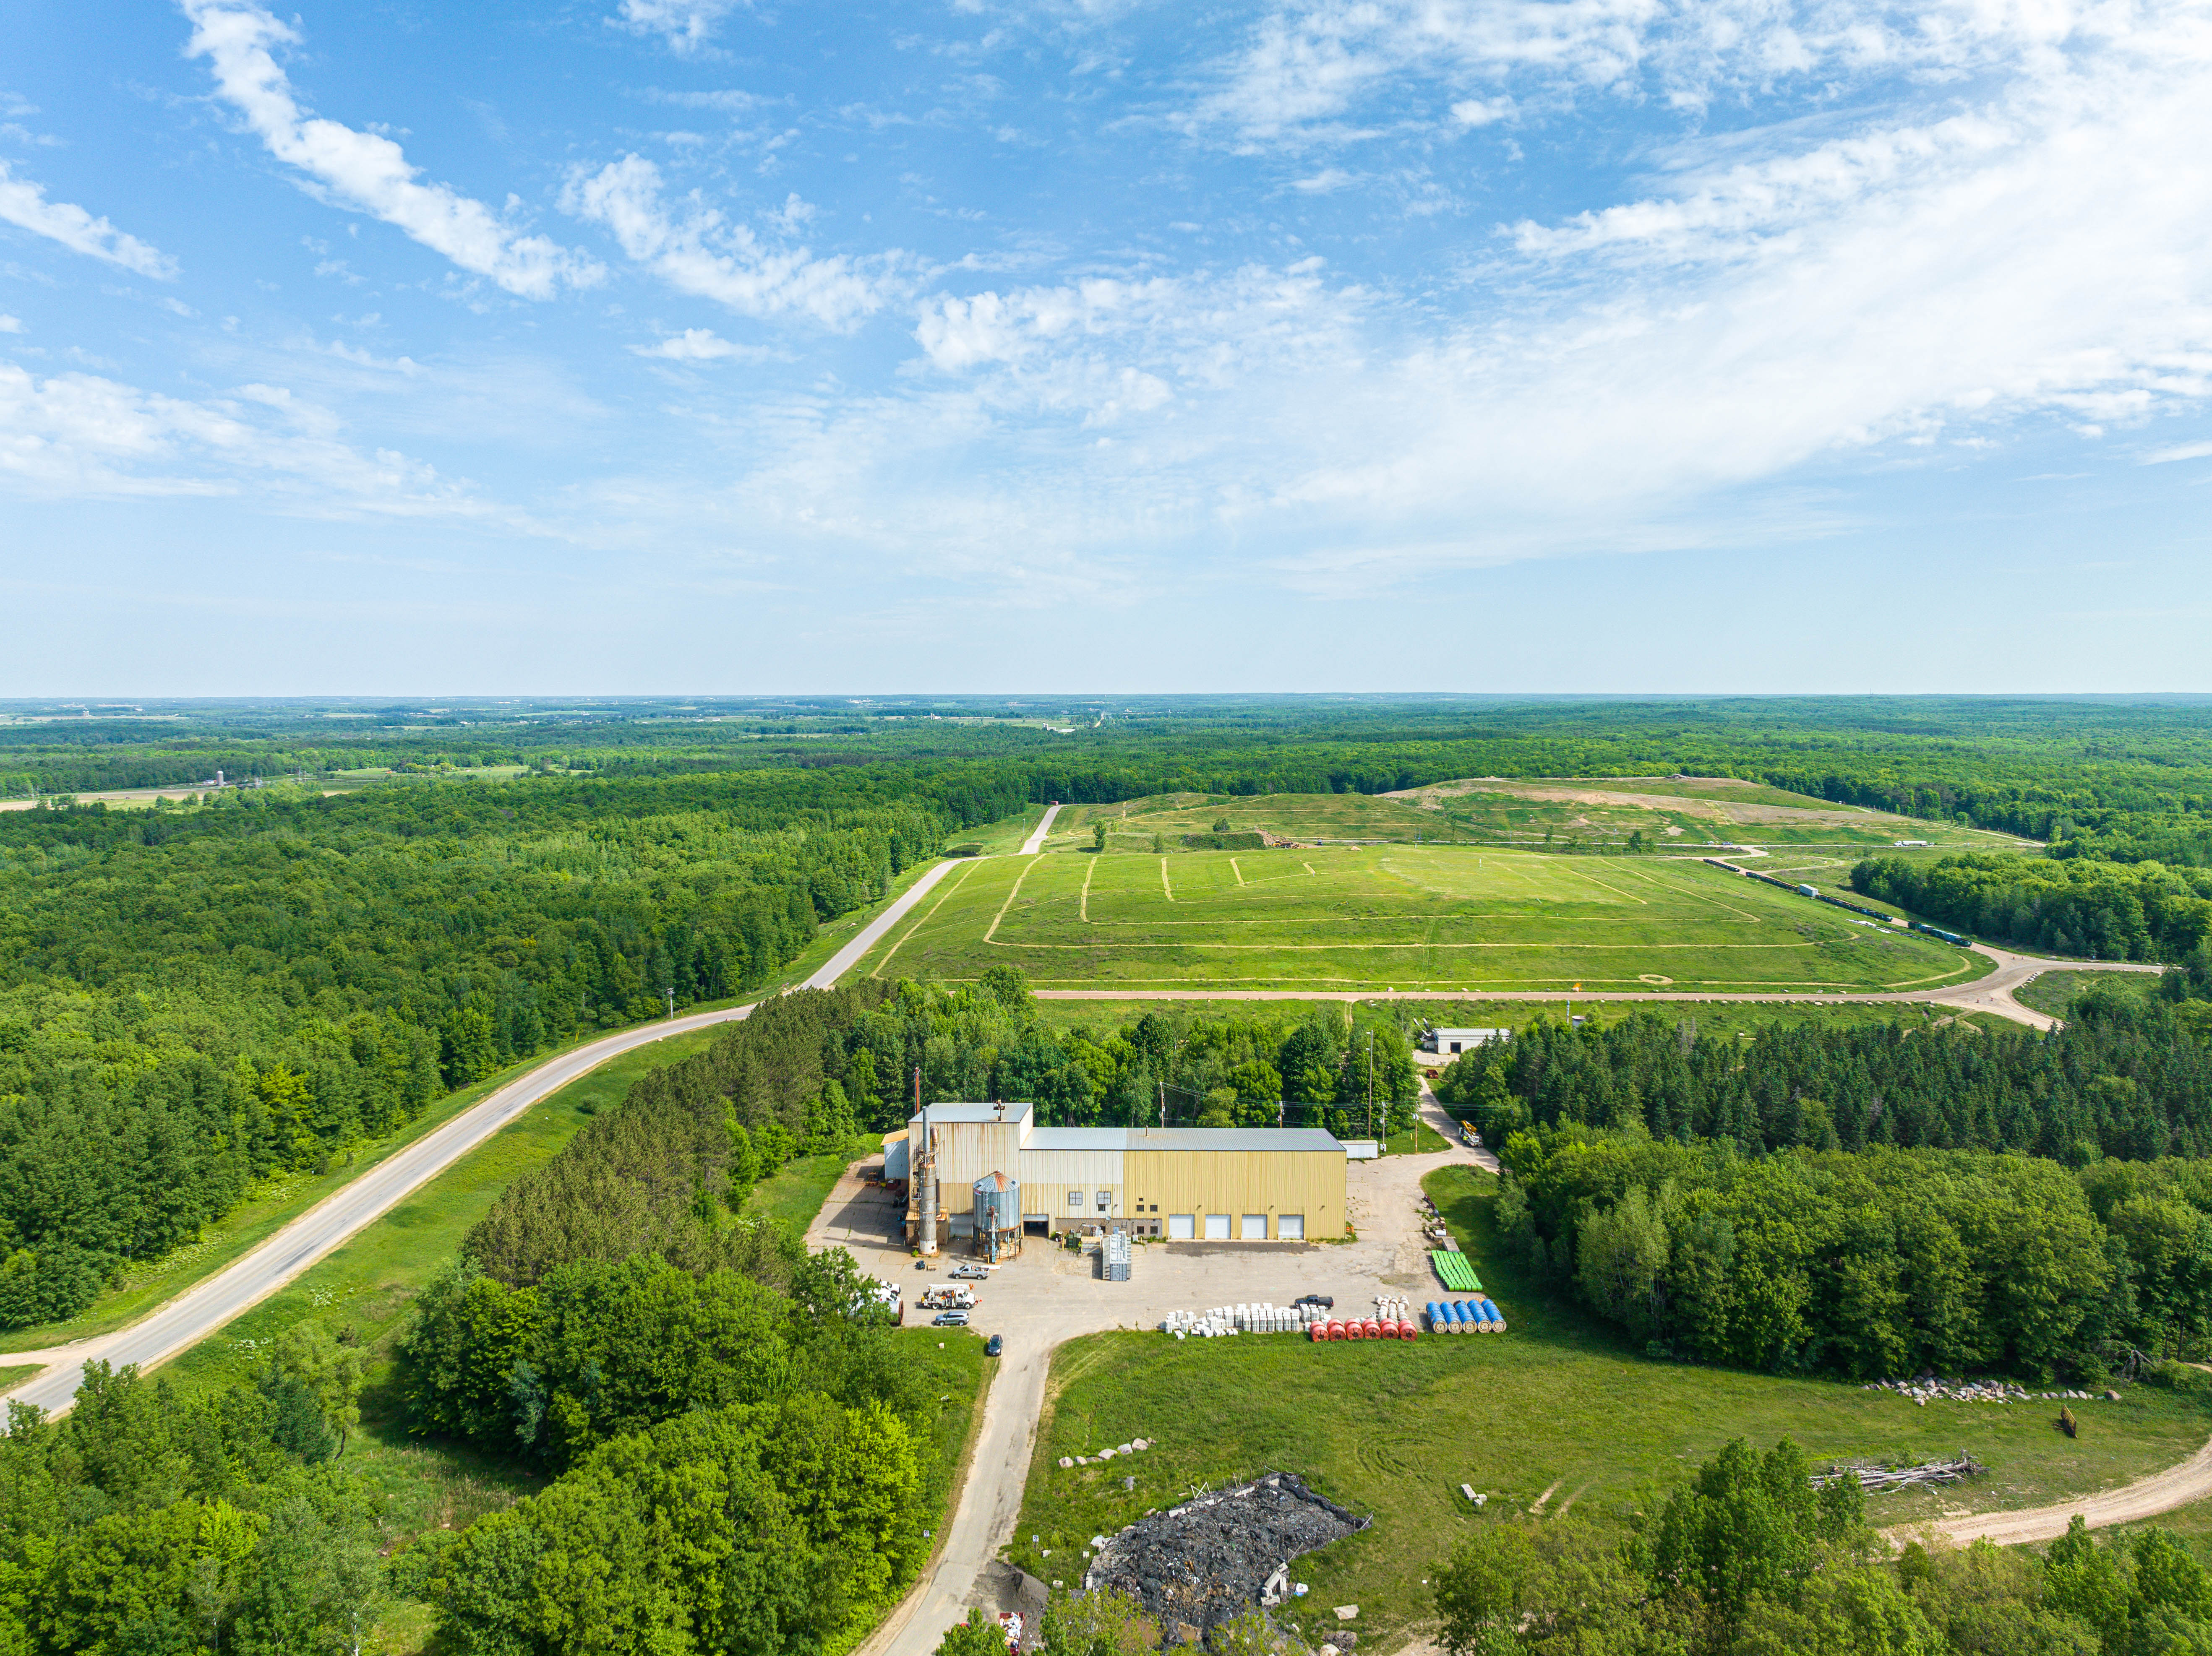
(2126, 1077)
(2071, 905)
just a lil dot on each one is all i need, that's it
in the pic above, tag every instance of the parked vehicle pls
(949, 1320)
(1321, 1300)
(973, 1273)
(953, 1297)
(994, 1345)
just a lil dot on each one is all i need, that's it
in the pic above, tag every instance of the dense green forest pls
(682, 1370)
(2126, 1077)
(144, 1522)
(2072, 904)
(1869, 1201)
(1747, 1558)
(191, 1000)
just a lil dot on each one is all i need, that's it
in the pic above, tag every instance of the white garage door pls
(1179, 1228)
(1255, 1228)
(1217, 1227)
(1290, 1226)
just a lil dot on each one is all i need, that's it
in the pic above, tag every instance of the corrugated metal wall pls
(1239, 1182)
(1047, 1176)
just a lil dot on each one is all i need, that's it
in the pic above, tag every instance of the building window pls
(1105, 1201)
(1156, 1207)
(1075, 1201)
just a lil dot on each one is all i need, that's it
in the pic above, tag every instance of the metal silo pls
(998, 1214)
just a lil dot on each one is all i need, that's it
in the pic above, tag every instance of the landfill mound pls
(1212, 1558)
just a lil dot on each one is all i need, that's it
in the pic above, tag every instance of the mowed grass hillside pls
(1445, 918)
(1555, 1415)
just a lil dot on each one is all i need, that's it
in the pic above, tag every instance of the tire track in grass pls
(917, 927)
(1013, 891)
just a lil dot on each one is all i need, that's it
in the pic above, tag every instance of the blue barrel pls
(1460, 1316)
(1490, 1313)
(1435, 1318)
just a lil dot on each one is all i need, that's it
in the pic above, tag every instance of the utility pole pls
(670, 994)
(1371, 1083)
(1164, 1106)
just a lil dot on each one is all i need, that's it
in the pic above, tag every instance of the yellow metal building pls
(1195, 1184)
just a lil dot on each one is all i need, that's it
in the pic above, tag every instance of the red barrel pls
(1320, 1332)
(1386, 1328)
(1353, 1331)
(1336, 1331)
(1373, 1329)
(1408, 1332)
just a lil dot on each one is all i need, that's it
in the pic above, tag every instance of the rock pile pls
(1211, 1559)
(1928, 1388)
(1133, 1446)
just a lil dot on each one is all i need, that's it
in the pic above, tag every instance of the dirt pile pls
(1219, 1555)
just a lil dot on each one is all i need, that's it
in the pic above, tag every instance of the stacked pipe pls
(1261, 1318)
(1476, 1316)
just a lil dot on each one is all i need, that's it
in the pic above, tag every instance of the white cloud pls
(366, 170)
(1322, 183)
(1332, 69)
(685, 25)
(24, 204)
(2159, 457)
(11, 324)
(73, 436)
(697, 251)
(701, 345)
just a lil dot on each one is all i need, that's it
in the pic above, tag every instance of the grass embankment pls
(1431, 919)
(16, 1374)
(1711, 1018)
(1558, 1412)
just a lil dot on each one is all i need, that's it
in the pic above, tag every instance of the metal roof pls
(1311, 1140)
(950, 1113)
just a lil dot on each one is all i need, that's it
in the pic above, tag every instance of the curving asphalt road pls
(206, 1306)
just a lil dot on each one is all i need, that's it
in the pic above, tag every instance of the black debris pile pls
(1218, 1556)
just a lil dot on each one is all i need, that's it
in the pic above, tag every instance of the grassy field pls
(1555, 1412)
(793, 1194)
(1405, 917)
(1553, 812)
(2055, 992)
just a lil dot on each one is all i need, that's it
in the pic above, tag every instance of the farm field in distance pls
(1438, 918)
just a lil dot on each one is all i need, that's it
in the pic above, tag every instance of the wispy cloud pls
(702, 345)
(366, 170)
(697, 251)
(24, 204)
(684, 25)
(2159, 457)
(72, 435)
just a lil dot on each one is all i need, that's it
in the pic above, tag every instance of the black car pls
(1320, 1300)
(994, 1345)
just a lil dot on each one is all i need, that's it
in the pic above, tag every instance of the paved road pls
(1035, 843)
(1990, 993)
(205, 1307)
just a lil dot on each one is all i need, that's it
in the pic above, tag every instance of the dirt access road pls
(1990, 993)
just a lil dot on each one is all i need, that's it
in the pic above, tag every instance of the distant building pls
(1908, 842)
(1807, 891)
(1447, 1041)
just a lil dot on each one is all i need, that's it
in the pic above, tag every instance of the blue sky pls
(694, 345)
